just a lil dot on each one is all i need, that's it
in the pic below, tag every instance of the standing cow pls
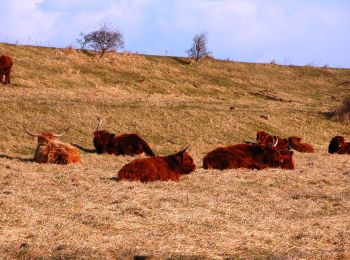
(5, 69)
(160, 168)
(52, 150)
(125, 144)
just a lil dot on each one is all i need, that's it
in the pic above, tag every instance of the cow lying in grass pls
(265, 139)
(293, 142)
(251, 156)
(52, 150)
(296, 144)
(160, 168)
(125, 144)
(5, 69)
(338, 145)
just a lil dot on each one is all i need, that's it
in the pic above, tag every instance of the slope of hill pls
(76, 211)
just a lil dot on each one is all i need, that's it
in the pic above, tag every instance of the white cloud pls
(240, 29)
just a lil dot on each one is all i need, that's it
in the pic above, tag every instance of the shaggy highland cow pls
(338, 145)
(160, 168)
(296, 144)
(125, 144)
(5, 69)
(52, 150)
(251, 156)
(266, 139)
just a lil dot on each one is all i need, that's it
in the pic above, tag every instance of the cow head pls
(103, 140)
(45, 137)
(263, 138)
(184, 161)
(336, 143)
(277, 156)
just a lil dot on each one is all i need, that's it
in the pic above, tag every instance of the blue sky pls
(299, 32)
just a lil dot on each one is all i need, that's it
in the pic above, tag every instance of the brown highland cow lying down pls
(52, 150)
(251, 156)
(293, 142)
(158, 168)
(125, 144)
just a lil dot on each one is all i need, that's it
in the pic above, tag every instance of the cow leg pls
(1, 76)
(7, 78)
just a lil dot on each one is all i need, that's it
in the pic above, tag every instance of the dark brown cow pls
(296, 144)
(159, 168)
(52, 150)
(266, 139)
(338, 145)
(5, 69)
(251, 156)
(125, 144)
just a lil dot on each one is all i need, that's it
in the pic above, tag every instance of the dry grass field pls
(78, 212)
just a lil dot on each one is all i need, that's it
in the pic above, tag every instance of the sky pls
(293, 32)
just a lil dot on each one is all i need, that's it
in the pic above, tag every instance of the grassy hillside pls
(76, 211)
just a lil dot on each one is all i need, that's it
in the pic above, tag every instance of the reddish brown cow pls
(296, 144)
(52, 150)
(251, 156)
(160, 168)
(266, 139)
(5, 69)
(125, 144)
(338, 145)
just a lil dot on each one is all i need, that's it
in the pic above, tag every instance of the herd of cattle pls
(268, 151)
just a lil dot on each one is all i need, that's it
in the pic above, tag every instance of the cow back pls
(148, 169)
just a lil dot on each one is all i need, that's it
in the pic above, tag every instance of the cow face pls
(286, 159)
(45, 138)
(185, 162)
(103, 141)
(335, 144)
(277, 157)
(262, 137)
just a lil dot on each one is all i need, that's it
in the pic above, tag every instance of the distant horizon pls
(296, 33)
(121, 51)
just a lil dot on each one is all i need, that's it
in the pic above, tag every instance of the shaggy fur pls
(125, 144)
(338, 145)
(296, 144)
(251, 156)
(51, 150)
(266, 139)
(5, 69)
(158, 168)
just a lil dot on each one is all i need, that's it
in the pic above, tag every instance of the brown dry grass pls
(342, 114)
(55, 211)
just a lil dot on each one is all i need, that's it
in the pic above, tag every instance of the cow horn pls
(99, 122)
(275, 141)
(33, 135)
(183, 150)
(65, 131)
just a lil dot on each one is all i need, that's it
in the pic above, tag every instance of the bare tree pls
(199, 46)
(104, 39)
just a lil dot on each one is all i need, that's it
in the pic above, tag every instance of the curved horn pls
(33, 135)
(183, 150)
(99, 122)
(274, 141)
(65, 131)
